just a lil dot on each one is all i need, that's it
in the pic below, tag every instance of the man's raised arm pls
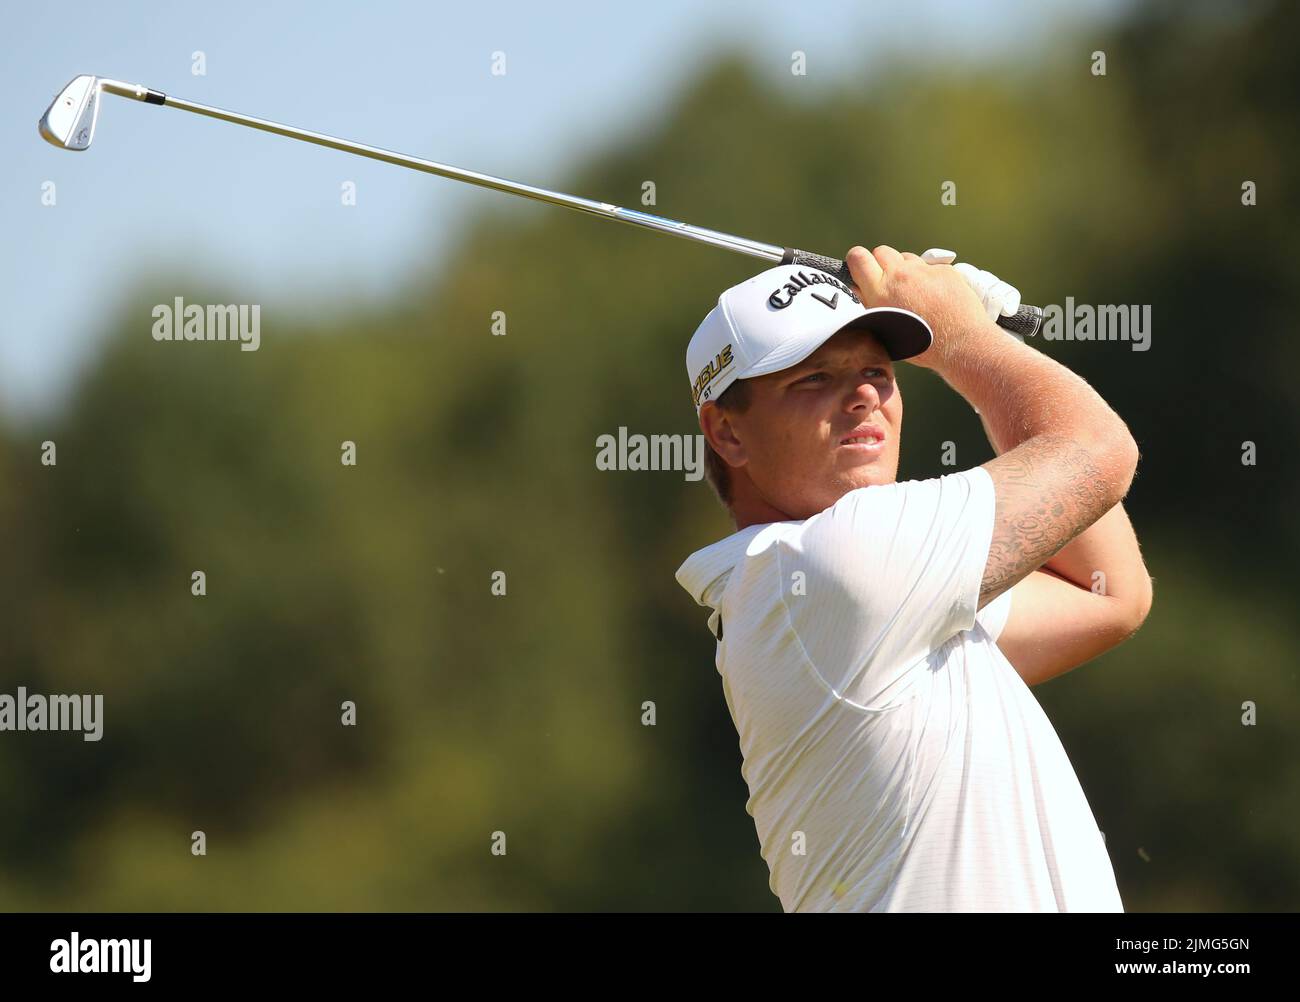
(1069, 458)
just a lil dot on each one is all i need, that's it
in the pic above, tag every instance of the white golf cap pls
(781, 316)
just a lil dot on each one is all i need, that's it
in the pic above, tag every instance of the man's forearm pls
(1109, 546)
(1020, 393)
(1105, 559)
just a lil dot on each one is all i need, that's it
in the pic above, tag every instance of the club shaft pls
(633, 217)
(1025, 322)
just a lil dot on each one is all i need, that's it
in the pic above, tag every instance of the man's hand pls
(938, 292)
(999, 298)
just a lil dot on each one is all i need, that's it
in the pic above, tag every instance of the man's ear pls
(720, 433)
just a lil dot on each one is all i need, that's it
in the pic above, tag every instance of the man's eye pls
(819, 376)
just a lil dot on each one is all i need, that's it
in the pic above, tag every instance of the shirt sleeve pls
(890, 573)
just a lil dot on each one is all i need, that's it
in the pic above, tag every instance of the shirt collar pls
(704, 573)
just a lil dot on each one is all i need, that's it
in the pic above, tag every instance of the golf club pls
(69, 123)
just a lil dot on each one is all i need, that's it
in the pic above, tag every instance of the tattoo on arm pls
(1049, 489)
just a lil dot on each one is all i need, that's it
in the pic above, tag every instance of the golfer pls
(877, 639)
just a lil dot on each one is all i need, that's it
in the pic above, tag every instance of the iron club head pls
(69, 121)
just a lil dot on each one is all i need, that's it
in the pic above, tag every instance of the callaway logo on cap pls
(781, 316)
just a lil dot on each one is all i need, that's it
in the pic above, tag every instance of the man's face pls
(794, 439)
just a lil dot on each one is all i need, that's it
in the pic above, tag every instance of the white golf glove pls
(998, 298)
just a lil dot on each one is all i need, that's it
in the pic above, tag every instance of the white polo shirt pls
(894, 758)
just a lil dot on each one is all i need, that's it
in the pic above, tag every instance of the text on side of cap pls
(709, 373)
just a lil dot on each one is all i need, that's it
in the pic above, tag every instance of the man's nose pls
(864, 393)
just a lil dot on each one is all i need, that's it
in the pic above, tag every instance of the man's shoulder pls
(880, 536)
(861, 520)
(879, 505)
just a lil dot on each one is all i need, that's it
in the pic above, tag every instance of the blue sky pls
(162, 189)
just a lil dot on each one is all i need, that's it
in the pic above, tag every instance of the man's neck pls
(748, 508)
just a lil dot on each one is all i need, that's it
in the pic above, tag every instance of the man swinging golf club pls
(876, 639)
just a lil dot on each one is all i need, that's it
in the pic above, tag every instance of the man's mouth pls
(867, 435)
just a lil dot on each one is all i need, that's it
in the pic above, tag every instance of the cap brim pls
(902, 332)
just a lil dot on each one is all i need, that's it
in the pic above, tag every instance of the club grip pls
(1024, 323)
(830, 265)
